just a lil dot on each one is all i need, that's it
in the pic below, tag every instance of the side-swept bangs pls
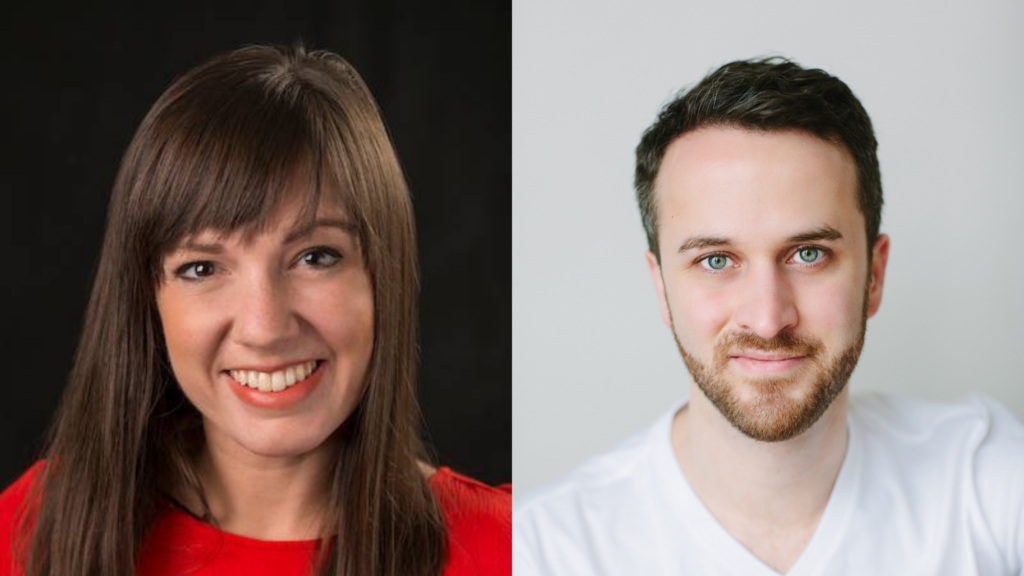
(223, 149)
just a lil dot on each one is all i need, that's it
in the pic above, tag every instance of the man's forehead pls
(727, 182)
(732, 156)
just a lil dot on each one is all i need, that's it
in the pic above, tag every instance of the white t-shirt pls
(925, 488)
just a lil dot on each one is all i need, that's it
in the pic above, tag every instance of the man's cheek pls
(703, 315)
(831, 309)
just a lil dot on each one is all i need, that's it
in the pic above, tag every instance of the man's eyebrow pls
(703, 242)
(294, 235)
(826, 232)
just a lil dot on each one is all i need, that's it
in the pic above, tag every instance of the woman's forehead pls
(288, 224)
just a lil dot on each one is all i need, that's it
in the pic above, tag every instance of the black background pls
(77, 80)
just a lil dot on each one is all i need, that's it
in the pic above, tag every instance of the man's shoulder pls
(921, 421)
(554, 526)
(612, 471)
(975, 427)
(967, 455)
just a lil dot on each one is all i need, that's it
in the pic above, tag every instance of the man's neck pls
(769, 496)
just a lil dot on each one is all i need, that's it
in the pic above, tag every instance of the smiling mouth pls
(276, 381)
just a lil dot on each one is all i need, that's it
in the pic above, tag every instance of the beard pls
(774, 414)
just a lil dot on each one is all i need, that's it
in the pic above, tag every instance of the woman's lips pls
(278, 400)
(767, 364)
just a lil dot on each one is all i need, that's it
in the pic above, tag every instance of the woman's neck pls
(275, 498)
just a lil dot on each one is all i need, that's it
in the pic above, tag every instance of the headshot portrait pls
(745, 339)
(282, 308)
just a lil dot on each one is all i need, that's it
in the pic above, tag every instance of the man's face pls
(764, 276)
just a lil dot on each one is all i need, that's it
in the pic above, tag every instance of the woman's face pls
(244, 320)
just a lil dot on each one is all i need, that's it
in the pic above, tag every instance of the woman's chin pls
(272, 439)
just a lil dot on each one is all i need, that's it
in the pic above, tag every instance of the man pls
(761, 197)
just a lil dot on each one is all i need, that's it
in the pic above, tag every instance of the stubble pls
(774, 414)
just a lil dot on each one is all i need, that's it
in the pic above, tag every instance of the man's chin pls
(768, 410)
(774, 408)
(761, 396)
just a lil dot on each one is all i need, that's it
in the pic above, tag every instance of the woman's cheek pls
(342, 312)
(190, 326)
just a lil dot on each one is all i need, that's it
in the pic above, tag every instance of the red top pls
(479, 520)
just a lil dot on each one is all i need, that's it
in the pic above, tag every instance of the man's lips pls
(766, 356)
(766, 363)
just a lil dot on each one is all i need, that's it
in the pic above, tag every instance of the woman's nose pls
(264, 315)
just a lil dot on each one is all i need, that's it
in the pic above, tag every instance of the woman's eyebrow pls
(293, 236)
(305, 231)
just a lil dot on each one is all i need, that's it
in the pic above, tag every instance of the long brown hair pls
(217, 151)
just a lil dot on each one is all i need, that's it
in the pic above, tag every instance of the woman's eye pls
(321, 257)
(200, 269)
(317, 258)
(808, 255)
(716, 261)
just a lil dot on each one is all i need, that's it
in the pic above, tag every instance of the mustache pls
(785, 342)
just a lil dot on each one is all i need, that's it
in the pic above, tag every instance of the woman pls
(243, 397)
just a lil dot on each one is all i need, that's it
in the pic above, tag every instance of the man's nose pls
(264, 317)
(767, 305)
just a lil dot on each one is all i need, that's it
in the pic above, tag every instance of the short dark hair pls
(765, 95)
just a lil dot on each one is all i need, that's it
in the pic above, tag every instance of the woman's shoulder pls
(13, 496)
(12, 501)
(479, 519)
(468, 497)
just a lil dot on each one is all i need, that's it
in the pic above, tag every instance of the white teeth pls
(274, 382)
(277, 380)
(303, 370)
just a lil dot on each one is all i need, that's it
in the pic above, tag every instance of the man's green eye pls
(717, 262)
(809, 255)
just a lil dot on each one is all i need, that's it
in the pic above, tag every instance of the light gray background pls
(944, 85)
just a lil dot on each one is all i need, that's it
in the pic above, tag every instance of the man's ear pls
(879, 258)
(659, 287)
